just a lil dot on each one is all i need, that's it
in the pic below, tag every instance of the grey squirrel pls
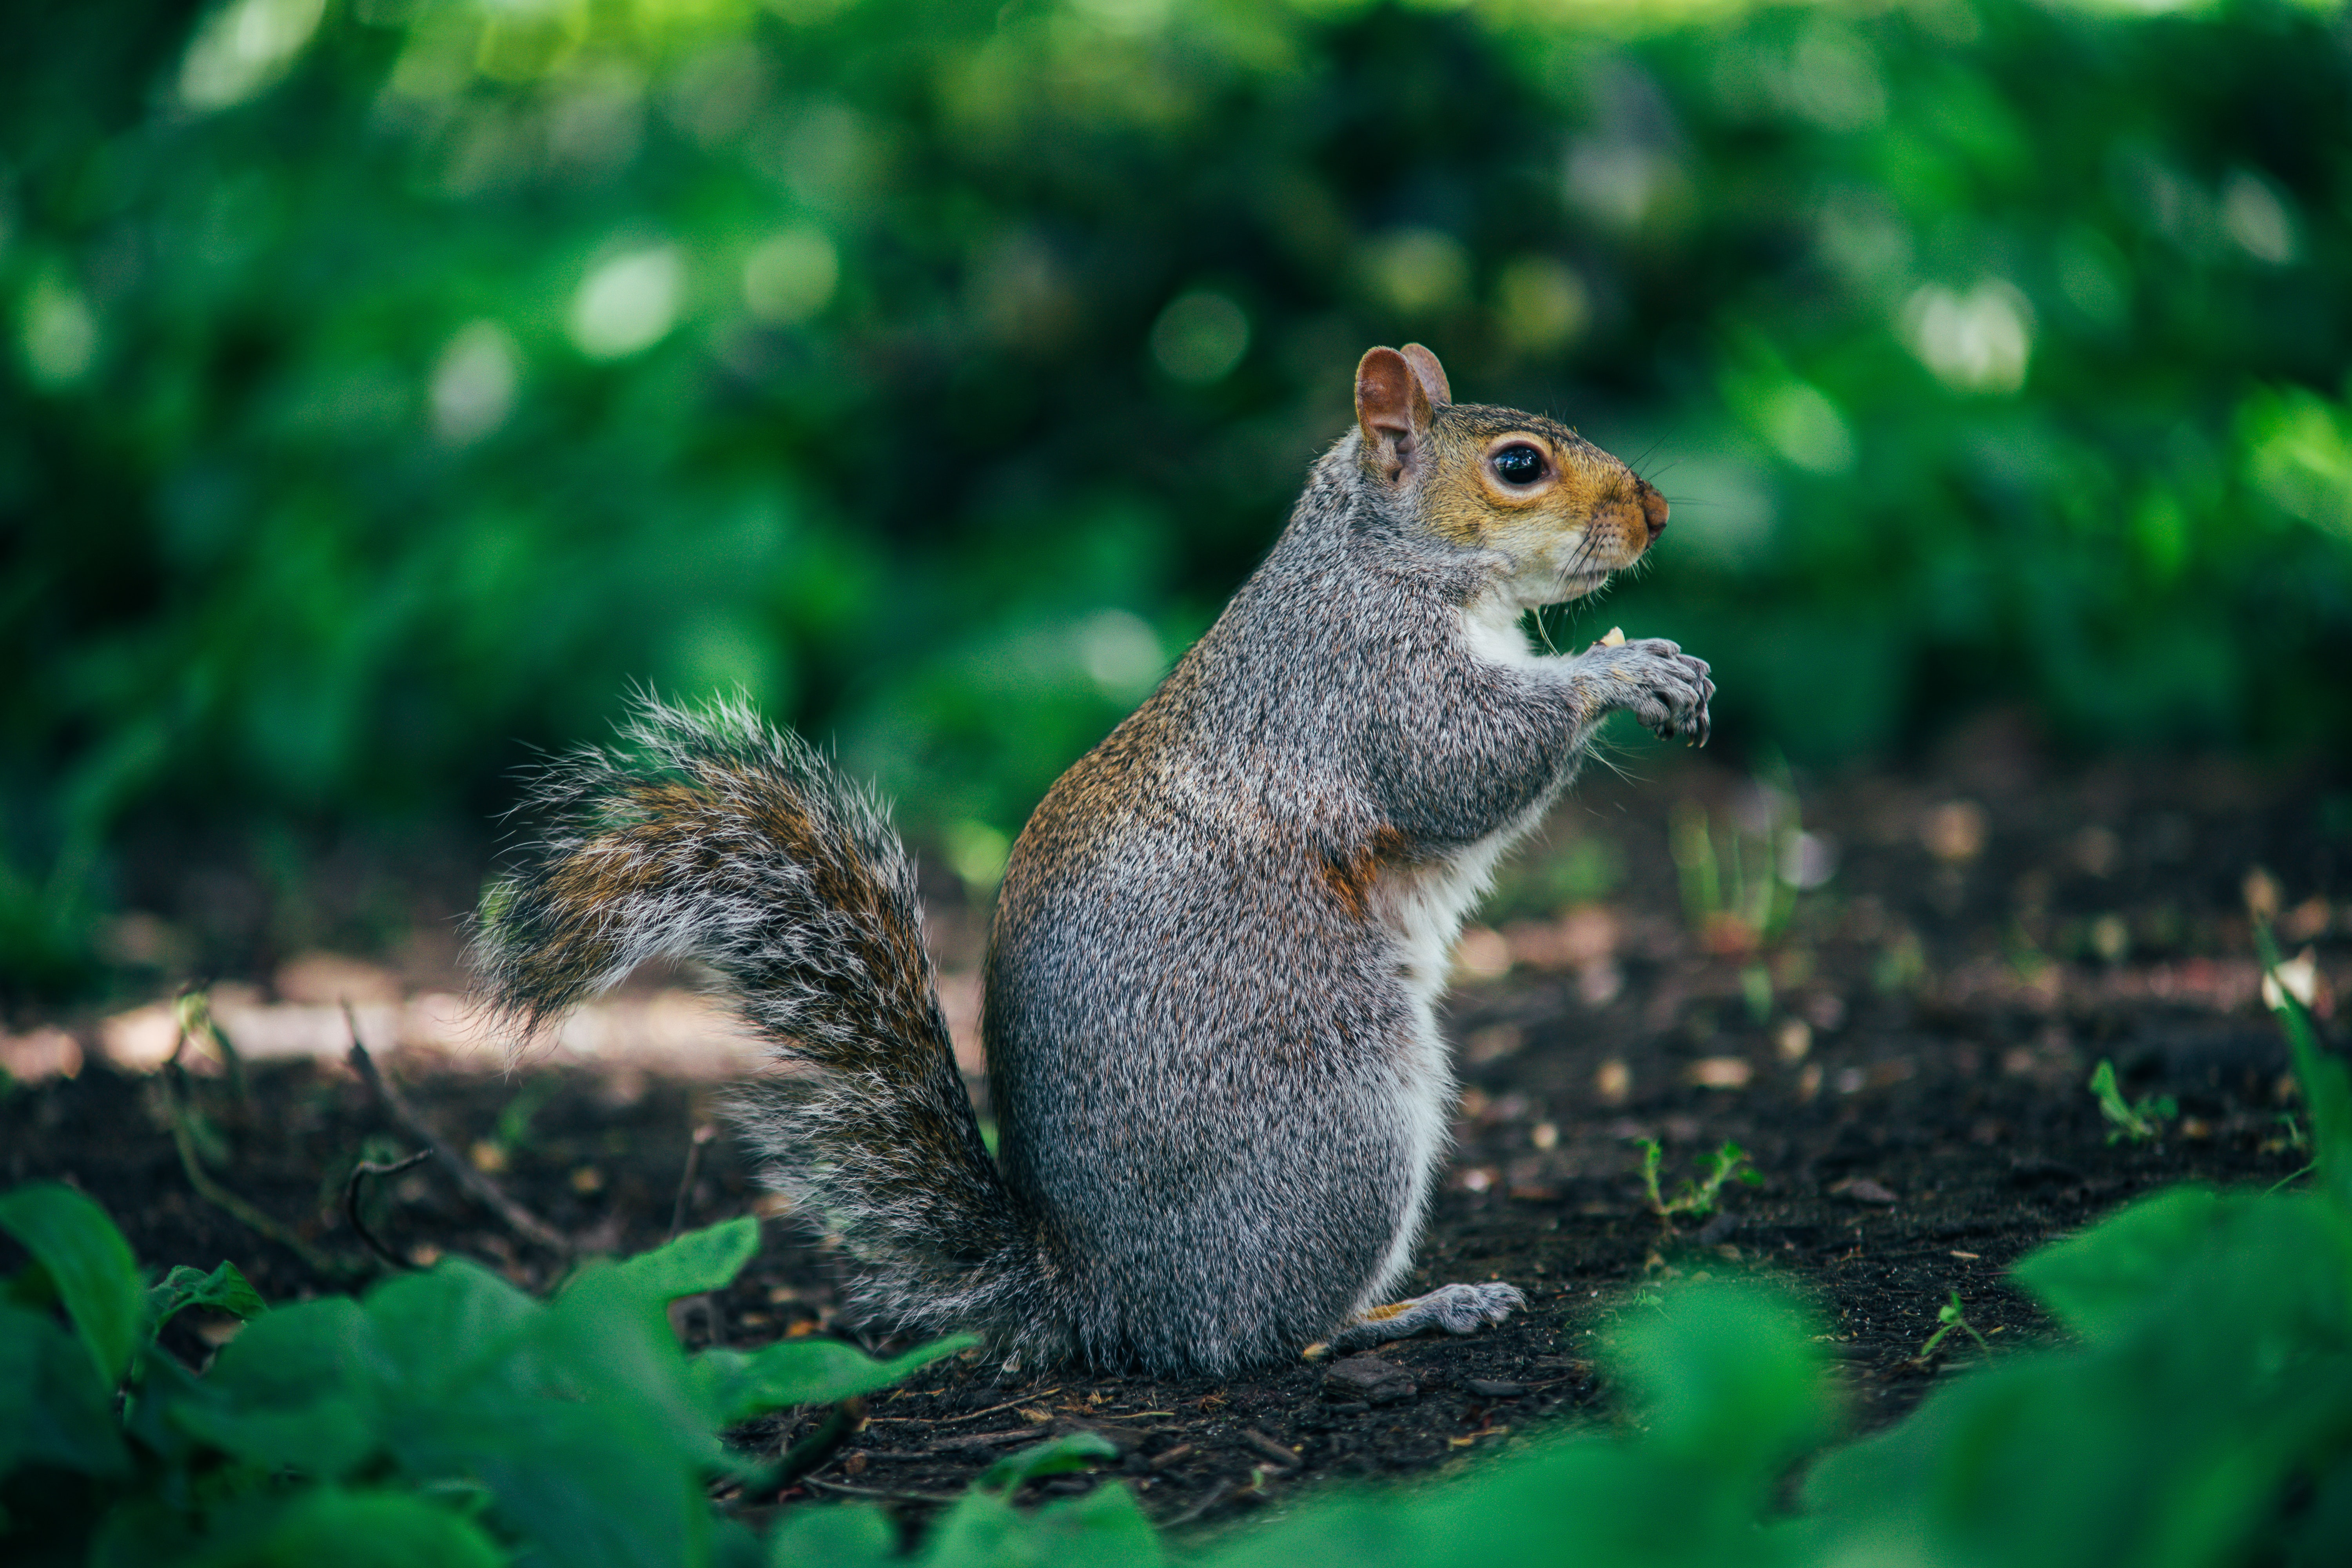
(1218, 944)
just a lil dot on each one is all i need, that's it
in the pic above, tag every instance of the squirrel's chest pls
(1422, 907)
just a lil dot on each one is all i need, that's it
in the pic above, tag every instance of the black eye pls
(1519, 465)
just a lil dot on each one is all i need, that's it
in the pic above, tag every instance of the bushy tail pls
(707, 835)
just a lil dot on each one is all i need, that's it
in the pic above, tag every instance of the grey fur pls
(1211, 981)
(868, 1130)
(1226, 1086)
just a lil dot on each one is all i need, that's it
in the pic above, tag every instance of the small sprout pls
(1699, 1197)
(2138, 1121)
(1951, 1317)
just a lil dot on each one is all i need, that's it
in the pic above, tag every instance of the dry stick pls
(364, 1169)
(702, 1135)
(485, 1191)
(1268, 1447)
(1048, 1394)
(220, 1197)
(874, 1492)
(1217, 1494)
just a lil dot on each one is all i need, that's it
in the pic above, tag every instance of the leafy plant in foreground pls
(444, 1417)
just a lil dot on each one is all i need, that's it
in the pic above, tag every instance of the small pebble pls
(1368, 1378)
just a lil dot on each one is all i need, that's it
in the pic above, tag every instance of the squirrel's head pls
(1561, 510)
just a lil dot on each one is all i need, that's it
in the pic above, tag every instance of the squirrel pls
(1211, 980)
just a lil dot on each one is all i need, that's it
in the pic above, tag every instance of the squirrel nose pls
(1653, 508)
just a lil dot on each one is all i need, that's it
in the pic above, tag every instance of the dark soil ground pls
(1903, 1054)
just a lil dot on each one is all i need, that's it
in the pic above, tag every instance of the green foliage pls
(84, 1259)
(1698, 1198)
(698, 1261)
(1101, 1529)
(224, 1289)
(2327, 1085)
(1730, 1389)
(806, 1372)
(2138, 1120)
(391, 396)
(1951, 1317)
(444, 1417)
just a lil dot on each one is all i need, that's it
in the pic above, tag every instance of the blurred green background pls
(390, 383)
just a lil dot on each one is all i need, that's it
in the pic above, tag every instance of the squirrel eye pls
(1519, 465)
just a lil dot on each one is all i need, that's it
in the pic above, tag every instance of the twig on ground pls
(876, 1492)
(1024, 1399)
(1268, 1447)
(702, 1135)
(518, 1218)
(360, 1173)
(1217, 1494)
(169, 1084)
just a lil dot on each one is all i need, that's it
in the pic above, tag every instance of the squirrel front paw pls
(1666, 688)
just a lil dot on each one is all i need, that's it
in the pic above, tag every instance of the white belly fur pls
(1424, 908)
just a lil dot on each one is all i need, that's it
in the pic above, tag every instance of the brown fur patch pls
(1351, 876)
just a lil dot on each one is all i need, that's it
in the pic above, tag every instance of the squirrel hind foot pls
(1455, 1309)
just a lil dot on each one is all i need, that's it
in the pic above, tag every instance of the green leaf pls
(140, 1531)
(853, 1535)
(805, 1371)
(699, 1260)
(2106, 1278)
(1104, 1529)
(159, 1386)
(355, 1529)
(296, 1390)
(51, 1410)
(1072, 1451)
(2327, 1084)
(2264, 1275)
(224, 1289)
(91, 1265)
(1726, 1370)
(2215, 1366)
(582, 1419)
(436, 1327)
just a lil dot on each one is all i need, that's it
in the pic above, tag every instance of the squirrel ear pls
(1392, 408)
(1430, 374)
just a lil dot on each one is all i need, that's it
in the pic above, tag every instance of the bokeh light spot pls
(628, 304)
(1199, 337)
(1541, 304)
(1119, 653)
(1416, 271)
(791, 277)
(1977, 341)
(243, 48)
(57, 333)
(474, 382)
